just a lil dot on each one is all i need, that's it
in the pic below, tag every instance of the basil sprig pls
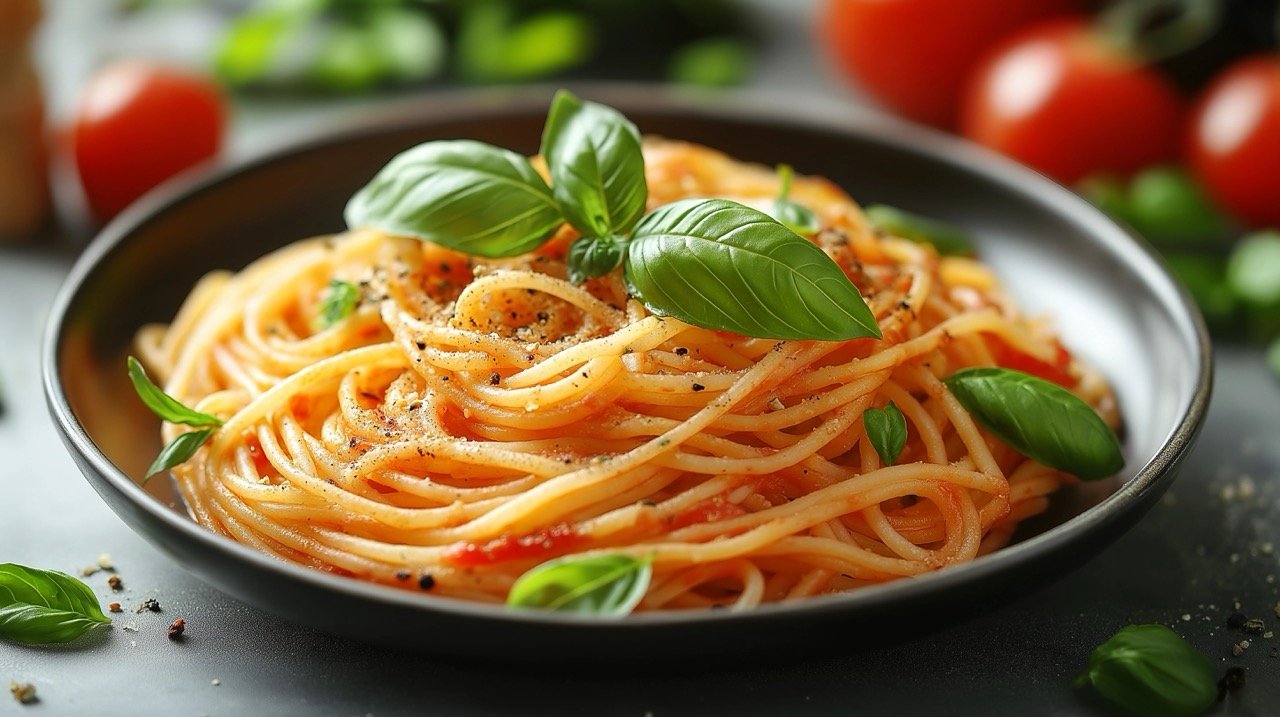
(1040, 419)
(340, 299)
(39, 607)
(946, 238)
(172, 410)
(712, 263)
(606, 585)
(1151, 671)
(886, 428)
(717, 263)
(793, 215)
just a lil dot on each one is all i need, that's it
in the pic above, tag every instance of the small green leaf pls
(409, 43)
(178, 451)
(886, 428)
(947, 239)
(1253, 270)
(597, 170)
(465, 195)
(493, 47)
(39, 607)
(1169, 208)
(590, 257)
(1151, 671)
(712, 62)
(1040, 420)
(606, 585)
(162, 404)
(340, 299)
(253, 42)
(719, 265)
(793, 215)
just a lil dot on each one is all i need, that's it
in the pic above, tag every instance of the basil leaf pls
(886, 428)
(178, 451)
(608, 585)
(256, 39)
(719, 265)
(1040, 419)
(711, 62)
(339, 301)
(1168, 207)
(1253, 271)
(38, 607)
(462, 194)
(492, 46)
(793, 215)
(162, 404)
(947, 239)
(1150, 670)
(597, 171)
(590, 257)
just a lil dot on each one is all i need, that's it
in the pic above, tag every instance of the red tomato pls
(1058, 98)
(914, 55)
(1234, 143)
(139, 124)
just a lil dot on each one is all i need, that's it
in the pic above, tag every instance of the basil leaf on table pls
(178, 451)
(947, 239)
(38, 607)
(607, 585)
(461, 194)
(597, 170)
(162, 404)
(340, 299)
(720, 265)
(1151, 671)
(590, 257)
(1040, 419)
(886, 428)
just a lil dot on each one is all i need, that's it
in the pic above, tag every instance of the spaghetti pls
(472, 418)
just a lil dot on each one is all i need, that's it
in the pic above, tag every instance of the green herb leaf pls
(597, 170)
(178, 451)
(793, 215)
(493, 47)
(712, 62)
(590, 257)
(1040, 419)
(1169, 208)
(1150, 671)
(465, 195)
(38, 607)
(255, 39)
(1253, 270)
(719, 265)
(339, 301)
(886, 428)
(947, 239)
(607, 585)
(409, 43)
(162, 404)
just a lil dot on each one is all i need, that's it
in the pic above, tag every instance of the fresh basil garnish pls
(340, 299)
(590, 256)
(720, 265)
(178, 451)
(1040, 419)
(465, 195)
(1150, 670)
(886, 428)
(947, 239)
(597, 170)
(793, 215)
(39, 607)
(162, 404)
(607, 585)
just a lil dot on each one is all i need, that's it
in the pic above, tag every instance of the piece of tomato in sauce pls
(540, 545)
(1058, 372)
(708, 511)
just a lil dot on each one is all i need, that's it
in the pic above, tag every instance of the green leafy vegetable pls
(793, 215)
(178, 451)
(492, 46)
(886, 428)
(340, 299)
(1253, 270)
(162, 404)
(607, 585)
(1040, 419)
(590, 256)
(712, 62)
(461, 194)
(597, 170)
(1152, 672)
(947, 239)
(1168, 207)
(255, 39)
(717, 264)
(38, 607)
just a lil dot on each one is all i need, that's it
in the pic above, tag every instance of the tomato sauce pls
(1057, 372)
(539, 545)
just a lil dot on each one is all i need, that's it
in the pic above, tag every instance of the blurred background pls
(1166, 113)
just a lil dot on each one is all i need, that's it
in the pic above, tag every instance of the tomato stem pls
(1157, 29)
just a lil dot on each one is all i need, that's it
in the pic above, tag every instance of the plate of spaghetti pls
(481, 373)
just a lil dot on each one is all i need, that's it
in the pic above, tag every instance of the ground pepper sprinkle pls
(426, 582)
(149, 604)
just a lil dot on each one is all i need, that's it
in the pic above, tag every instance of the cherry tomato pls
(1055, 96)
(914, 55)
(138, 124)
(1234, 142)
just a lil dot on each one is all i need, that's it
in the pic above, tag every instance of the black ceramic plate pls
(1114, 304)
